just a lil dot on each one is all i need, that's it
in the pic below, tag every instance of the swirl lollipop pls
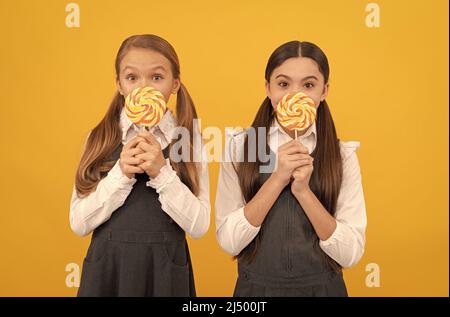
(145, 106)
(296, 112)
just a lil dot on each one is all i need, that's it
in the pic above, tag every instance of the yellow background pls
(389, 90)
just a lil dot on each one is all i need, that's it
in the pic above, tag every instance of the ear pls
(176, 85)
(119, 88)
(325, 92)
(267, 89)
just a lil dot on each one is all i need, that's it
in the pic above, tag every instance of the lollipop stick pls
(295, 134)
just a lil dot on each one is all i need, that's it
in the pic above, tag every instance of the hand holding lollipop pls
(145, 106)
(296, 112)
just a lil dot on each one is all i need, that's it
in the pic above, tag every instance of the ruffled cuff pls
(118, 177)
(166, 175)
(338, 235)
(245, 222)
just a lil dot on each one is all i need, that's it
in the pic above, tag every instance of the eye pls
(131, 77)
(283, 84)
(157, 77)
(309, 85)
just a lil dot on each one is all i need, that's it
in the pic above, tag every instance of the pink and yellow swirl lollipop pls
(296, 112)
(145, 106)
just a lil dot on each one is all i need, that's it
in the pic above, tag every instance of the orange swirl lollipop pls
(296, 112)
(145, 106)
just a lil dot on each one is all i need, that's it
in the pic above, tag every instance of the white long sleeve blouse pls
(190, 212)
(234, 232)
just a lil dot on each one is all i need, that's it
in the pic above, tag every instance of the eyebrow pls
(154, 68)
(307, 77)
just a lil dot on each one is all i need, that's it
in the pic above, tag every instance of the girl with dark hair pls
(293, 230)
(129, 192)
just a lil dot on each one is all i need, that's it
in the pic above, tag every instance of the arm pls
(258, 207)
(342, 237)
(89, 212)
(288, 159)
(238, 223)
(190, 212)
(233, 231)
(324, 224)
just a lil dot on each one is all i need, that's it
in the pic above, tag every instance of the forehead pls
(298, 68)
(144, 59)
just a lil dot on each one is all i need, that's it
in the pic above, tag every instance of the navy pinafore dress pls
(139, 251)
(289, 260)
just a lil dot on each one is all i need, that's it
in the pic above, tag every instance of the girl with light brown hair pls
(137, 201)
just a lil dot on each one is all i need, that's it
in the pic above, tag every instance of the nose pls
(297, 88)
(144, 83)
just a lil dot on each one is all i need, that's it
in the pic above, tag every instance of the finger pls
(146, 165)
(130, 169)
(144, 146)
(295, 149)
(302, 148)
(297, 143)
(135, 151)
(145, 156)
(148, 137)
(132, 143)
(132, 161)
(301, 156)
(299, 172)
(300, 163)
(287, 148)
(131, 152)
(289, 144)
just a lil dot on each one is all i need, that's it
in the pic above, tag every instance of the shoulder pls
(348, 148)
(350, 162)
(234, 142)
(235, 135)
(235, 131)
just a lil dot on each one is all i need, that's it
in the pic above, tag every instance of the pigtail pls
(185, 114)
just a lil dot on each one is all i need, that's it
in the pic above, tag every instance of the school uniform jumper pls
(289, 260)
(139, 251)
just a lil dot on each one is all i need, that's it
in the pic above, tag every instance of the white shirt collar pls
(309, 138)
(277, 128)
(165, 125)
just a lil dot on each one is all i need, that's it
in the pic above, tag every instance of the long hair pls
(107, 135)
(327, 172)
